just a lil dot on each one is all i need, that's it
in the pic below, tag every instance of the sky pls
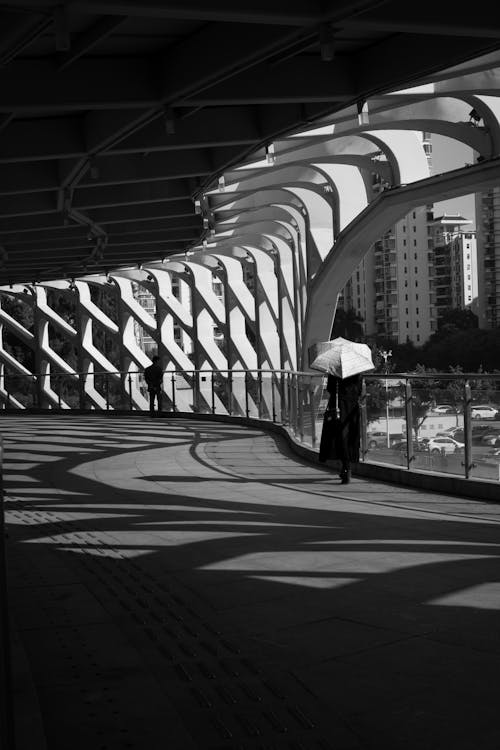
(449, 154)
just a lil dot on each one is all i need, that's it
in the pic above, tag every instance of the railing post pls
(295, 399)
(81, 391)
(363, 419)
(273, 397)
(468, 464)
(230, 392)
(59, 391)
(130, 391)
(174, 407)
(289, 391)
(107, 392)
(195, 392)
(409, 424)
(213, 392)
(300, 407)
(313, 415)
(282, 398)
(259, 393)
(247, 412)
(36, 385)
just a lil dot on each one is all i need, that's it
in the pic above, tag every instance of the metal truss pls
(282, 234)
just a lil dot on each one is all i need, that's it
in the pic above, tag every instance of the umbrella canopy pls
(341, 357)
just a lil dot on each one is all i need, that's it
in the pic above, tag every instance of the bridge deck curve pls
(195, 585)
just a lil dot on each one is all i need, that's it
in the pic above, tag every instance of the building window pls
(416, 310)
(414, 215)
(416, 269)
(406, 298)
(407, 324)
(415, 256)
(407, 311)
(404, 256)
(406, 269)
(418, 337)
(418, 325)
(416, 296)
(414, 243)
(414, 228)
(404, 227)
(404, 243)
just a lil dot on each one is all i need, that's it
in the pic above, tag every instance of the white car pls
(443, 409)
(443, 444)
(483, 411)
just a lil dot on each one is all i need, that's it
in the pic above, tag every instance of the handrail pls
(293, 399)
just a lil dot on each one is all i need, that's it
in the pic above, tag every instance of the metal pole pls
(195, 393)
(213, 392)
(174, 408)
(130, 391)
(409, 424)
(230, 392)
(313, 415)
(81, 389)
(468, 465)
(363, 419)
(273, 397)
(246, 394)
(259, 393)
(59, 390)
(107, 392)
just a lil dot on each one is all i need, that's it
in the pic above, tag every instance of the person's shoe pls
(345, 477)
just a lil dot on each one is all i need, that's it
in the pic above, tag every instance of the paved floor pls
(182, 585)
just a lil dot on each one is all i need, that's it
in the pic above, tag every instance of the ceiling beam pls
(90, 83)
(439, 19)
(28, 31)
(88, 39)
(369, 65)
(301, 79)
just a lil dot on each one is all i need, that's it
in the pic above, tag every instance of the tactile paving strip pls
(221, 693)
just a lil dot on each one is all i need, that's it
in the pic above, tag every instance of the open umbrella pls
(341, 357)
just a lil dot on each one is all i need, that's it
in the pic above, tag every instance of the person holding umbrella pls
(344, 361)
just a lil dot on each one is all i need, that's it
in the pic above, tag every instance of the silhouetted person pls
(341, 424)
(153, 376)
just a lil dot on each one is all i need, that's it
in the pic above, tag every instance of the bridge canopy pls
(116, 117)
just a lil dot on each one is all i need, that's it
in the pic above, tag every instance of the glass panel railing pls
(385, 421)
(445, 423)
(485, 428)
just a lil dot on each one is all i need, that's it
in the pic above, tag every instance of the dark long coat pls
(340, 435)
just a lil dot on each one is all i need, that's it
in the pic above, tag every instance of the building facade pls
(488, 250)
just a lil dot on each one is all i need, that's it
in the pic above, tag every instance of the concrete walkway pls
(180, 584)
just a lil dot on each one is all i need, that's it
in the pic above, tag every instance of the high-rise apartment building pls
(488, 250)
(419, 269)
(454, 279)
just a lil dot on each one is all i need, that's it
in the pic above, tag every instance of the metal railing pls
(402, 415)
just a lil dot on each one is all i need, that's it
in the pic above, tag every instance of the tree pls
(471, 349)
(423, 397)
(348, 324)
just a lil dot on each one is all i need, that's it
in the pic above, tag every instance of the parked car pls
(445, 445)
(491, 438)
(444, 409)
(484, 411)
(400, 445)
(379, 439)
